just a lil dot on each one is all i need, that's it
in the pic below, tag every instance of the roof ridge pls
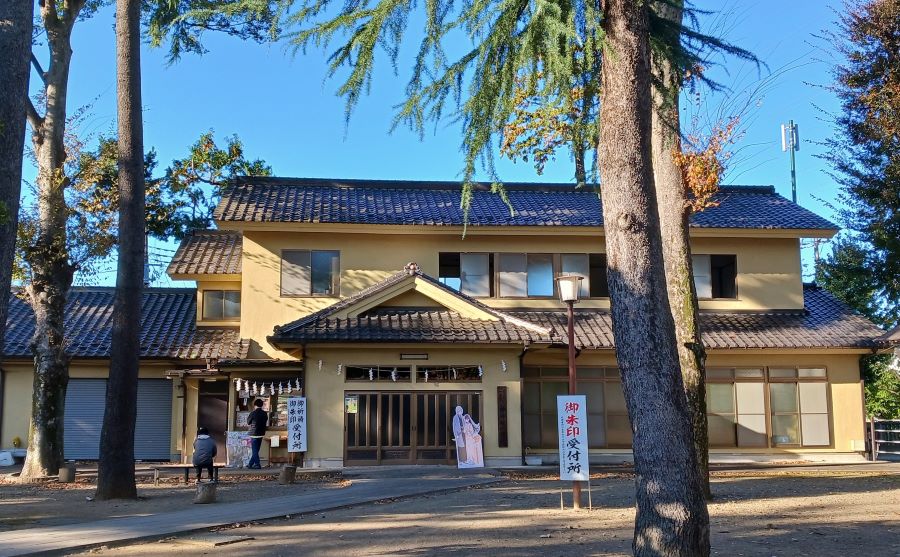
(215, 231)
(443, 185)
(146, 290)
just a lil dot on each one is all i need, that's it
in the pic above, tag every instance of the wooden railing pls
(883, 438)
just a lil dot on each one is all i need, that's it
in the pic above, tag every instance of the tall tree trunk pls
(15, 44)
(674, 220)
(671, 514)
(115, 477)
(48, 257)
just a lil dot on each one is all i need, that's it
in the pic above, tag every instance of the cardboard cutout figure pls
(467, 435)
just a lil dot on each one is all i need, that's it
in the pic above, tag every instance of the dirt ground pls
(775, 515)
(51, 503)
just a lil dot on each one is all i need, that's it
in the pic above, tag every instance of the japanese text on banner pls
(573, 444)
(296, 424)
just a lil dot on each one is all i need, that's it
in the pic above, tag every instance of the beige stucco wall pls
(17, 392)
(768, 270)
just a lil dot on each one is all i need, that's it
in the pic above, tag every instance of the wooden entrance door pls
(404, 427)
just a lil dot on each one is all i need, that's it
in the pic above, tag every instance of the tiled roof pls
(422, 325)
(891, 338)
(209, 252)
(825, 323)
(168, 330)
(381, 202)
(401, 325)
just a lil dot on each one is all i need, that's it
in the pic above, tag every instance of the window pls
(590, 266)
(390, 374)
(428, 374)
(540, 275)
(526, 275)
(797, 407)
(221, 304)
(513, 275)
(449, 271)
(736, 407)
(715, 276)
(521, 275)
(608, 424)
(469, 273)
(310, 273)
(798, 398)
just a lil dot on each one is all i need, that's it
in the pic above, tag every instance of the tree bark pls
(48, 258)
(15, 44)
(115, 479)
(671, 514)
(674, 220)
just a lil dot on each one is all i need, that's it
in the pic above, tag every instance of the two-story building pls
(386, 309)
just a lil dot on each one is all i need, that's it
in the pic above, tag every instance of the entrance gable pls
(416, 291)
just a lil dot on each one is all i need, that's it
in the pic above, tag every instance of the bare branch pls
(34, 119)
(38, 68)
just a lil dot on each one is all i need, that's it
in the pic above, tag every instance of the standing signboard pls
(237, 448)
(296, 424)
(573, 439)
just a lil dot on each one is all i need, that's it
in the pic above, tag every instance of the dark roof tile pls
(825, 323)
(208, 252)
(168, 327)
(382, 202)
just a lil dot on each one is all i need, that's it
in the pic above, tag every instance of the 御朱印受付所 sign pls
(573, 440)
(296, 424)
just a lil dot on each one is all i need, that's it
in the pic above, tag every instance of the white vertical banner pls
(296, 424)
(573, 440)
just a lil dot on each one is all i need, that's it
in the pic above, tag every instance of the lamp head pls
(569, 287)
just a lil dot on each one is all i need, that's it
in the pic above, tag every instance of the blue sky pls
(287, 113)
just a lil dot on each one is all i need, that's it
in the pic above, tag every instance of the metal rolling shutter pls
(152, 434)
(85, 401)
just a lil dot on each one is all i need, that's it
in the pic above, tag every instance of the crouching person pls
(204, 452)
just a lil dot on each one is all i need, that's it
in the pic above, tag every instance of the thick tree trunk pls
(671, 514)
(48, 257)
(674, 219)
(15, 44)
(115, 478)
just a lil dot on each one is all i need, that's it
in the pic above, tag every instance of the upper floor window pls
(590, 266)
(715, 276)
(221, 304)
(310, 273)
(524, 275)
(520, 275)
(470, 273)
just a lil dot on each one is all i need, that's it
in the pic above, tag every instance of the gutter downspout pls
(183, 388)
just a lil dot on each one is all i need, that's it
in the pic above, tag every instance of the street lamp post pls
(569, 287)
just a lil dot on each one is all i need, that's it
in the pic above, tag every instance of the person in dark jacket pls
(257, 422)
(204, 452)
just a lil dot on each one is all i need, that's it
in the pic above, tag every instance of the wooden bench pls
(188, 468)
